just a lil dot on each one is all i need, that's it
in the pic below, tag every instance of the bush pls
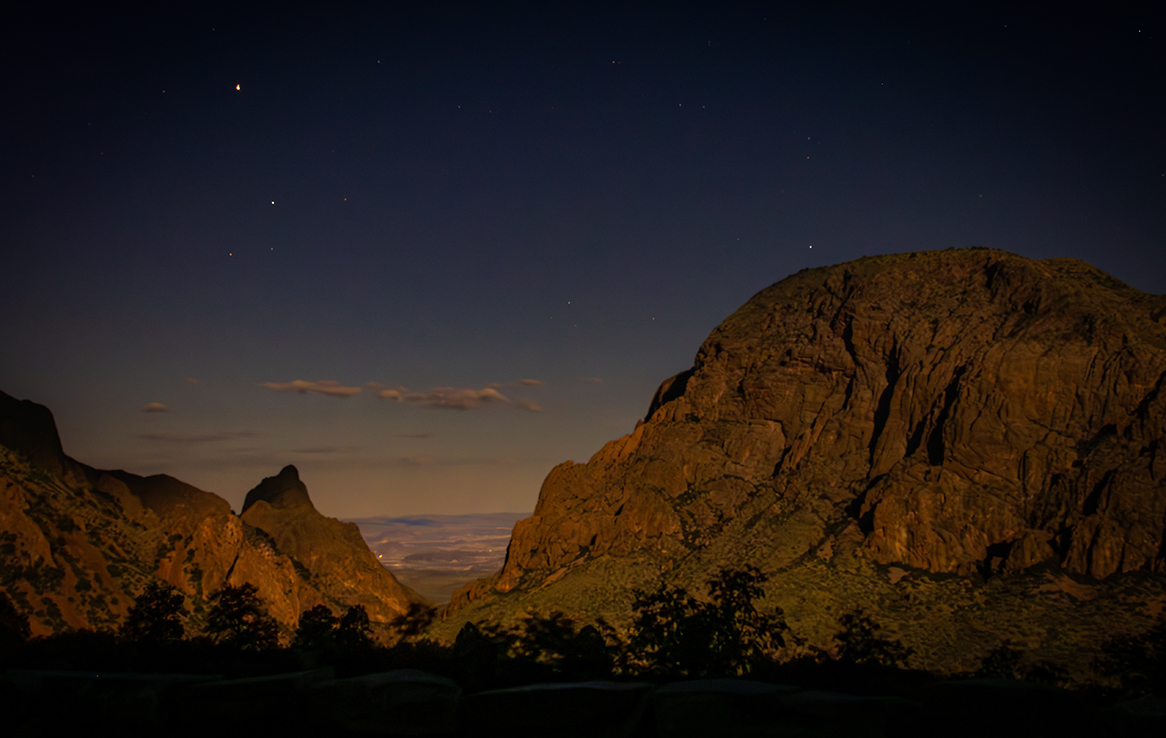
(354, 629)
(157, 615)
(860, 643)
(238, 619)
(316, 628)
(410, 624)
(674, 634)
(13, 623)
(1138, 662)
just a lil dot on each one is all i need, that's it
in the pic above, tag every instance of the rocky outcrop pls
(955, 412)
(78, 543)
(333, 553)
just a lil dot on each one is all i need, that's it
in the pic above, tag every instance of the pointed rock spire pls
(283, 490)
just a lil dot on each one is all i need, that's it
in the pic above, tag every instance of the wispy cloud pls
(323, 387)
(197, 438)
(191, 380)
(454, 398)
(395, 394)
(531, 382)
(155, 407)
(592, 380)
(449, 398)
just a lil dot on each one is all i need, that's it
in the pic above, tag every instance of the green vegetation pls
(674, 634)
(817, 623)
(724, 629)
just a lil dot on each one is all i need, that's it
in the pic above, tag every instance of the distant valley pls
(966, 447)
(436, 554)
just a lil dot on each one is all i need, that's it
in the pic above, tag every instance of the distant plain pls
(436, 554)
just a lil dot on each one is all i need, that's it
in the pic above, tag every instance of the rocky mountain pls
(335, 553)
(79, 543)
(965, 442)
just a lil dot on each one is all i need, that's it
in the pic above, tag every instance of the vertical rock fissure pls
(883, 411)
(1093, 501)
(1143, 410)
(848, 340)
(916, 438)
(231, 568)
(935, 443)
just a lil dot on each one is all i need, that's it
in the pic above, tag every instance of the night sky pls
(426, 257)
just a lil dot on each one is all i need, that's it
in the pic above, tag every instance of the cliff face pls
(334, 553)
(78, 543)
(953, 412)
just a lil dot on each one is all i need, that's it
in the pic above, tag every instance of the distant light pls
(237, 87)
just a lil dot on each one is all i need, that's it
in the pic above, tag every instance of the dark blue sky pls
(506, 226)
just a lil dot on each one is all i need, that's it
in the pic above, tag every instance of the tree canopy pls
(157, 615)
(238, 619)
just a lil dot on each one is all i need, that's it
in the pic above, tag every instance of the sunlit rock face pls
(335, 554)
(77, 544)
(955, 412)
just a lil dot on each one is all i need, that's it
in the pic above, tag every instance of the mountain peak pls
(283, 490)
(30, 429)
(954, 411)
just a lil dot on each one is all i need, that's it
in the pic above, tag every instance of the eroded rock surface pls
(955, 412)
(334, 553)
(77, 544)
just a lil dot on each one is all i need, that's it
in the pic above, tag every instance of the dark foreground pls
(418, 703)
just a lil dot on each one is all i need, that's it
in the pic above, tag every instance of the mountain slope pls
(969, 414)
(335, 554)
(78, 543)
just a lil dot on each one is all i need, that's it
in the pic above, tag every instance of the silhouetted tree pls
(13, 623)
(157, 615)
(476, 655)
(412, 622)
(316, 629)
(580, 653)
(860, 643)
(1138, 662)
(354, 629)
(238, 619)
(676, 634)
(1002, 662)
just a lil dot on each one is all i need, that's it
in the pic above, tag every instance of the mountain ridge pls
(970, 414)
(79, 543)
